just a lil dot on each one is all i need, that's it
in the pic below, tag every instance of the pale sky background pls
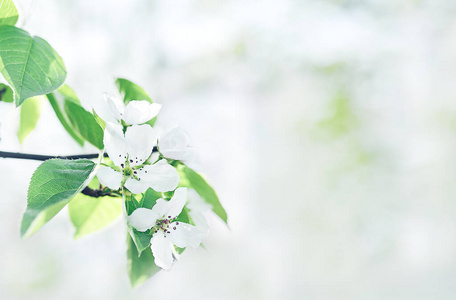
(326, 127)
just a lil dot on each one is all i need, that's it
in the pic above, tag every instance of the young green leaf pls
(8, 13)
(68, 94)
(89, 214)
(140, 267)
(99, 120)
(131, 91)
(63, 119)
(130, 204)
(184, 217)
(6, 93)
(141, 239)
(78, 122)
(29, 64)
(196, 181)
(147, 200)
(53, 185)
(150, 198)
(30, 113)
(84, 124)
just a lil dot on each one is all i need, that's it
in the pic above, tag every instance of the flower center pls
(127, 171)
(165, 225)
(131, 171)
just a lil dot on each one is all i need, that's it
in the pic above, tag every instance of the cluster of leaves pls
(35, 73)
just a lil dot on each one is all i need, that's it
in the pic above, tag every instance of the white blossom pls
(197, 208)
(135, 112)
(130, 152)
(167, 232)
(174, 144)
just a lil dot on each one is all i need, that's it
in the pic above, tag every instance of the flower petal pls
(140, 111)
(185, 235)
(174, 144)
(187, 154)
(177, 202)
(109, 177)
(162, 249)
(160, 176)
(161, 207)
(115, 144)
(136, 186)
(116, 106)
(200, 222)
(142, 219)
(141, 140)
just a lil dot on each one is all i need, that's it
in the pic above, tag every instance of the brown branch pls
(98, 193)
(18, 155)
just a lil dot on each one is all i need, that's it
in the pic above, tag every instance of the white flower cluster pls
(130, 145)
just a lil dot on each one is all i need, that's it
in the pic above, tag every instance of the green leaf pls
(99, 120)
(131, 203)
(53, 185)
(8, 13)
(147, 200)
(84, 124)
(140, 267)
(78, 122)
(196, 181)
(141, 239)
(29, 64)
(6, 93)
(68, 94)
(184, 217)
(179, 250)
(63, 119)
(150, 198)
(132, 91)
(30, 113)
(90, 214)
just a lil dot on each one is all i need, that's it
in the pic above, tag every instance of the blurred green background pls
(327, 128)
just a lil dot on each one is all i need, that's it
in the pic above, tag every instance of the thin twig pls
(40, 157)
(18, 155)
(98, 193)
